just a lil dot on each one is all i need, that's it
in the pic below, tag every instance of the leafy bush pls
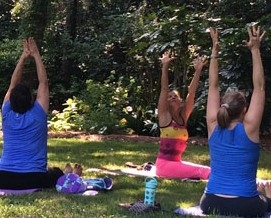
(105, 108)
(142, 123)
(71, 118)
(106, 102)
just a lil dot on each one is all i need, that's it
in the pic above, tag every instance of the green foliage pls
(197, 122)
(106, 102)
(106, 108)
(113, 106)
(71, 118)
(91, 39)
(9, 28)
(142, 122)
(33, 18)
(9, 54)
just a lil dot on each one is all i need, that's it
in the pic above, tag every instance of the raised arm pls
(18, 71)
(198, 63)
(213, 100)
(43, 87)
(163, 110)
(253, 117)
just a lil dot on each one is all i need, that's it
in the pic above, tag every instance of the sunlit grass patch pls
(112, 155)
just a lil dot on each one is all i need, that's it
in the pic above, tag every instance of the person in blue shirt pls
(23, 163)
(234, 140)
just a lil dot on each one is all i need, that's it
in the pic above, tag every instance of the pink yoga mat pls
(18, 192)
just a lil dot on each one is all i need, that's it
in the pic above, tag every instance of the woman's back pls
(25, 140)
(234, 159)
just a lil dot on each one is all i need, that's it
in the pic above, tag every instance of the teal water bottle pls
(150, 190)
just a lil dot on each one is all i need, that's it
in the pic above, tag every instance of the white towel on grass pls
(196, 211)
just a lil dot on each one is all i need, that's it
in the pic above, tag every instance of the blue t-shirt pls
(234, 161)
(25, 140)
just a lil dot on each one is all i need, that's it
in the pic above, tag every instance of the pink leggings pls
(181, 170)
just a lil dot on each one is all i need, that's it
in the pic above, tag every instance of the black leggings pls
(17, 181)
(240, 206)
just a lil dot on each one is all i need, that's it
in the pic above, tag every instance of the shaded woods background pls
(102, 56)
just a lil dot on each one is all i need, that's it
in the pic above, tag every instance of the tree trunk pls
(71, 24)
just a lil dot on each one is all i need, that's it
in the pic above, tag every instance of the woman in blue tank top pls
(234, 141)
(23, 162)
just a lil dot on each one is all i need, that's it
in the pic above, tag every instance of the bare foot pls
(68, 168)
(267, 189)
(77, 169)
(260, 187)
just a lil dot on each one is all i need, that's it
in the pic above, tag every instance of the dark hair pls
(232, 106)
(21, 98)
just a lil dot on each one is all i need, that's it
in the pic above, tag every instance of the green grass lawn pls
(111, 155)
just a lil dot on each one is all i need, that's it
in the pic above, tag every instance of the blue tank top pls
(234, 161)
(25, 140)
